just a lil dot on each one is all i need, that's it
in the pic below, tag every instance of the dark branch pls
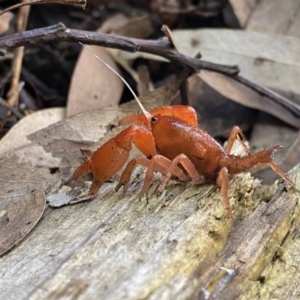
(74, 3)
(281, 100)
(59, 32)
(160, 47)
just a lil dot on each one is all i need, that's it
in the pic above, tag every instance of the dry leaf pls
(269, 60)
(36, 156)
(144, 84)
(275, 17)
(23, 208)
(4, 21)
(93, 84)
(217, 114)
(21, 217)
(16, 137)
(293, 155)
(19, 179)
(246, 96)
(272, 61)
(138, 27)
(268, 131)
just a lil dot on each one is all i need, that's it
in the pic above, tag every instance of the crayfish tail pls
(265, 156)
(237, 164)
(81, 170)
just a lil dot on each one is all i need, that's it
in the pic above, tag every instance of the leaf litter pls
(103, 87)
(88, 130)
(20, 218)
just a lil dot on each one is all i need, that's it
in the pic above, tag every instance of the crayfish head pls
(161, 126)
(162, 122)
(154, 120)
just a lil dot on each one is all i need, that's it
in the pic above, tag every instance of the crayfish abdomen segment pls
(237, 164)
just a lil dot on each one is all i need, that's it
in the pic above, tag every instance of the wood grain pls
(174, 247)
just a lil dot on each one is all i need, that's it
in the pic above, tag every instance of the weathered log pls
(178, 246)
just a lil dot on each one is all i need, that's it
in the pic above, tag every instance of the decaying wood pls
(178, 246)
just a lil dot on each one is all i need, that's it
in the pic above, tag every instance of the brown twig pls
(18, 59)
(183, 88)
(15, 111)
(276, 97)
(167, 32)
(74, 3)
(160, 47)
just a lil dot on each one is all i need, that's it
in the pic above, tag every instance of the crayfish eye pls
(153, 119)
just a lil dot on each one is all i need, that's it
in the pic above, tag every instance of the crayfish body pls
(173, 145)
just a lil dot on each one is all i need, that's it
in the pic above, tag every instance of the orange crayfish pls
(173, 145)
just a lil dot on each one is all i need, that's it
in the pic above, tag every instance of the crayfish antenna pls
(145, 112)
